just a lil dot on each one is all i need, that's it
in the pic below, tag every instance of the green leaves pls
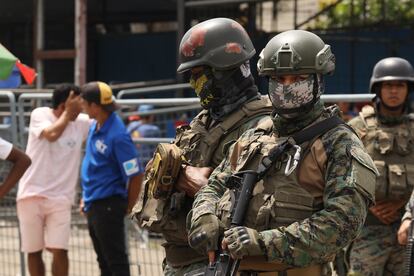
(366, 12)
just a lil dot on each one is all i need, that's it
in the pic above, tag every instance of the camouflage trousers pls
(376, 252)
(180, 271)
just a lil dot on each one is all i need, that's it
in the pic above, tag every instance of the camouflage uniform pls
(408, 208)
(388, 140)
(337, 196)
(376, 250)
(298, 217)
(231, 105)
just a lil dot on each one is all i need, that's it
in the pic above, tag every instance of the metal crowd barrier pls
(9, 124)
(23, 98)
(159, 88)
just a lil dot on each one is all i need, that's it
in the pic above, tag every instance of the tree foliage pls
(366, 12)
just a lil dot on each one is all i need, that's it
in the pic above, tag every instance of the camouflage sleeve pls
(206, 198)
(408, 208)
(350, 185)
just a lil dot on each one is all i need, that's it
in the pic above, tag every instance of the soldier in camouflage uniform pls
(299, 215)
(217, 53)
(387, 132)
(406, 220)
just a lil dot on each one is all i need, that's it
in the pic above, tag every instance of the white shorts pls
(44, 223)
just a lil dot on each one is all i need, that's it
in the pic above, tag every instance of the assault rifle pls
(409, 254)
(241, 185)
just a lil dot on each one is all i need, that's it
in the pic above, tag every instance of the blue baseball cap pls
(145, 108)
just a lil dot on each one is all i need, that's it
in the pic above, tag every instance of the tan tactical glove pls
(191, 179)
(204, 233)
(242, 241)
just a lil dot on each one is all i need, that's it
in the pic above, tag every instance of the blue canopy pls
(13, 81)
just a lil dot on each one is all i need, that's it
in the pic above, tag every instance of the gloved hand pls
(204, 233)
(242, 241)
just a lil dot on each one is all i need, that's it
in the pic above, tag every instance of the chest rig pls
(391, 148)
(279, 198)
(201, 146)
(201, 143)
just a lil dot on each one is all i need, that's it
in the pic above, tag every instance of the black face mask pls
(203, 84)
(222, 91)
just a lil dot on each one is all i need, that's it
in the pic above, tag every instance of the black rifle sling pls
(298, 138)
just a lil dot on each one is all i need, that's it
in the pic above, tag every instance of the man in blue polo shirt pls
(111, 178)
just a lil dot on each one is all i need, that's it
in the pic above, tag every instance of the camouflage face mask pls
(292, 95)
(202, 85)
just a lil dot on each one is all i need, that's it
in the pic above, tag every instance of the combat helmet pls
(389, 69)
(296, 52)
(220, 43)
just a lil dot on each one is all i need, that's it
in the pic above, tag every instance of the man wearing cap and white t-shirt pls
(111, 178)
(47, 189)
(20, 164)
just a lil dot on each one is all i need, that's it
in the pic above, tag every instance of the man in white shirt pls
(47, 190)
(20, 164)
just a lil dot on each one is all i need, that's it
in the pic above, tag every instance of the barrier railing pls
(145, 90)
(21, 112)
(179, 105)
(10, 126)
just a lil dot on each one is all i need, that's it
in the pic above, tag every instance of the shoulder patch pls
(131, 166)
(363, 158)
(364, 172)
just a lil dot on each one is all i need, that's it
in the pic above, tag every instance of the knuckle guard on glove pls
(204, 233)
(243, 241)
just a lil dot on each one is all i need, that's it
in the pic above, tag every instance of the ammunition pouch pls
(177, 203)
(163, 173)
(395, 180)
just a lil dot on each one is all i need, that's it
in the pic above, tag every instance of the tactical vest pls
(392, 151)
(391, 148)
(278, 199)
(201, 147)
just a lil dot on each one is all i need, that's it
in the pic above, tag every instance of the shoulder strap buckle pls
(296, 157)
